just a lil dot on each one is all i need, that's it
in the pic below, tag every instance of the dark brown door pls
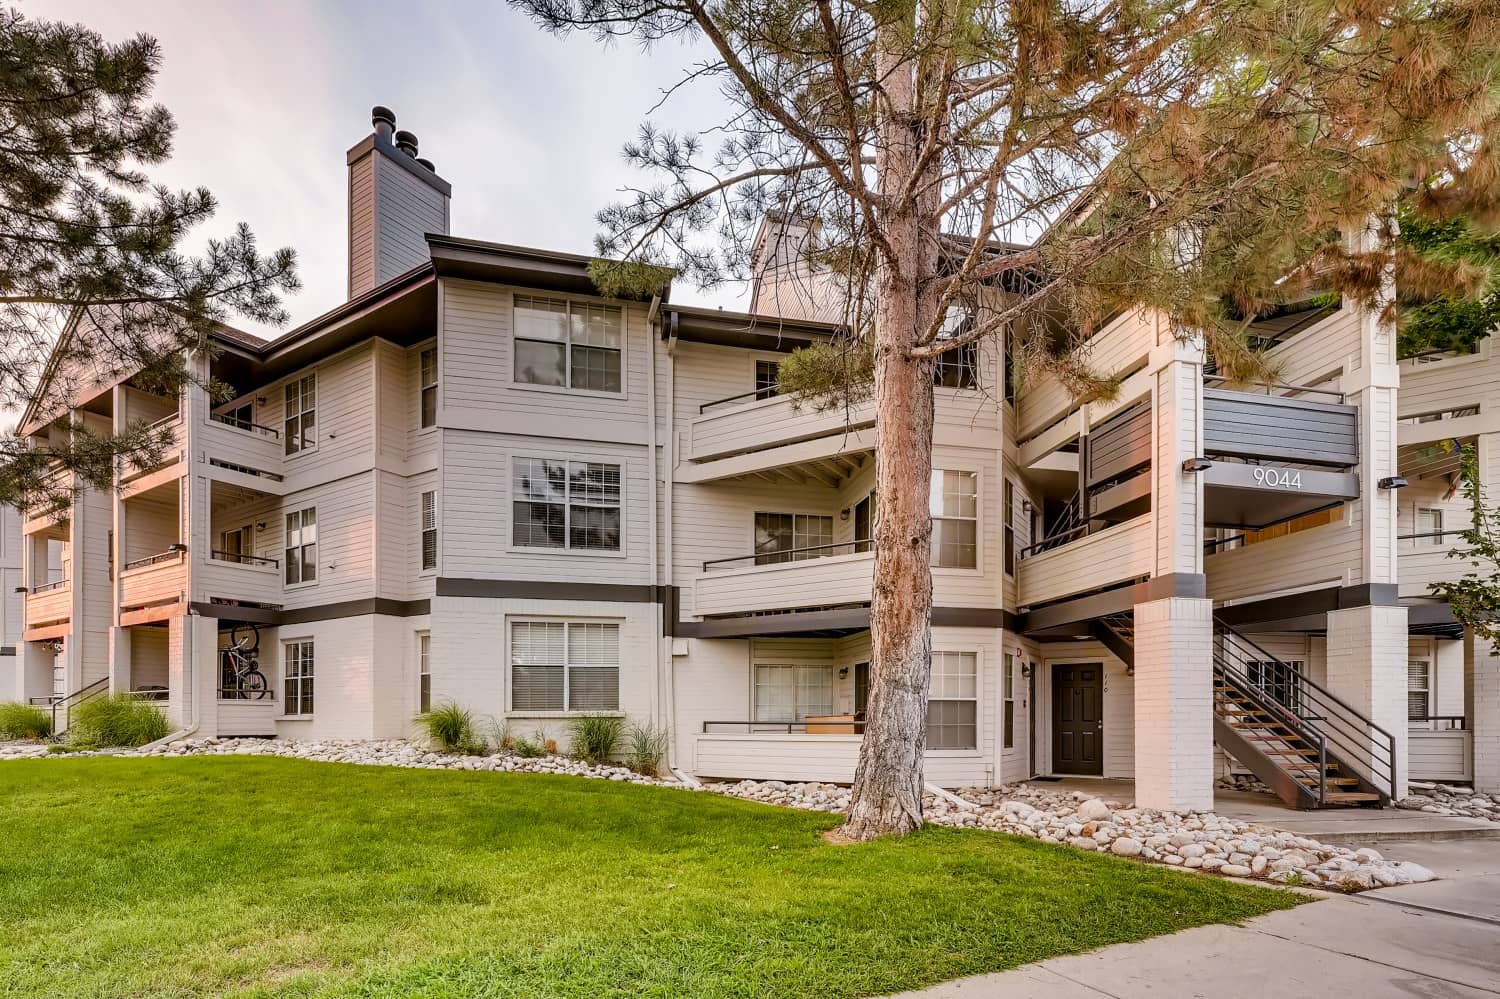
(1078, 718)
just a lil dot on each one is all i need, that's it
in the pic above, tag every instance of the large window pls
(564, 666)
(424, 671)
(302, 546)
(429, 375)
(300, 428)
(568, 344)
(298, 657)
(785, 537)
(1009, 530)
(959, 367)
(953, 701)
(429, 531)
(1418, 689)
(566, 504)
(767, 379)
(792, 693)
(954, 504)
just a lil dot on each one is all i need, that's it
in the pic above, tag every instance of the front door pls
(1078, 718)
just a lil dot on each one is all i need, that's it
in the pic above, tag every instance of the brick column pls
(1367, 670)
(1174, 734)
(119, 659)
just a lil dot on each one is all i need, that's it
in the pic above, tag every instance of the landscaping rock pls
(1126, 847)
(1445, 799)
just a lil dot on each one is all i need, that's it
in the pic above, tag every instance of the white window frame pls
(424, 386)
(978, 566)
(1426, 691)
(978, 700)
(567, 666)
(246, 541)
(306, 682)
(799, 671)
(301, 546)
(567, 550)
(287, 416)
(1435, 513)
(1008, 702)
(800, 522)
(428, 525)
(567, 386)
(424, 671)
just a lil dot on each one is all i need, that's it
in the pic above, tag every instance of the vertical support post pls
(1174, 735)
(1367, 669)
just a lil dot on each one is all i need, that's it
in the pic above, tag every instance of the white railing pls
(813, 582)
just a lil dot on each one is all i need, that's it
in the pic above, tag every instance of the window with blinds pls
(429, 530)
(424, 671)
(1418, 689)
(953, 701)
(564, 666)
(298, 657)
(791, 693)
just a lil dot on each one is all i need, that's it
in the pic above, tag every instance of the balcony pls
(49, 604)
(151, 587)
(821, 576)
(234, 578)
(174, 449)
(1423, 559)
(1120, 554)
(238, 445)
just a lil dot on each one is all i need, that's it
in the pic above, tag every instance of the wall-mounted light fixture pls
(843, 672)
(260, 525)
(1026, 506)
(844, 513)
(176, 546)
(1198, 464)
(1393, 482)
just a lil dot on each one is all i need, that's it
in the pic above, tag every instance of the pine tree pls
(1046, 163)
(92, 274)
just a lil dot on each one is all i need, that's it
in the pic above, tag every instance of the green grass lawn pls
(257, 877)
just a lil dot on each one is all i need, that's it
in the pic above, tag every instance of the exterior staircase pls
(1303, 742)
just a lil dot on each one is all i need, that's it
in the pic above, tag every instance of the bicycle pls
(246, 681)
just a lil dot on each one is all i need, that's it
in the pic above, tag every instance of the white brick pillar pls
(1174, 734)
(119, 659)
(1367, 670)
(1482, 710)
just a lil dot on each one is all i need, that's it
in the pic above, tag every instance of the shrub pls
(595, 738)
(117, 721)
(648, 745)
(24, 721)
(530, 749)
(452, 729)
(501, 736)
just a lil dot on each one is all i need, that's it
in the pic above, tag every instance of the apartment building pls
(480, 481)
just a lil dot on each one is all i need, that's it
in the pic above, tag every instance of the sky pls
(269, 96)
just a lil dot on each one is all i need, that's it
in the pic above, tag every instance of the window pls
(568, 344)
(1009, 531)
(1429, 527)
(864, 524)
(59, 680)
(302, 546)
(956, 368)
(564, 666)
(783, 537)
(1280, 681)
(428, 364)
(236, 544)
(299, 677)
(301, 424)
(1008, 683)
(1418, 689)
(566, 504)
(953, 501)
(429, 531)
(767, 379)
(861, 688)
(953, 701)
(424, 671)
(791, 693)
(241, 416)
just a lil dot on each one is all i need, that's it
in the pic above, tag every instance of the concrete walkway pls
(1436, 939)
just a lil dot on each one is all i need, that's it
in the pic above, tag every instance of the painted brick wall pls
(1174, 740)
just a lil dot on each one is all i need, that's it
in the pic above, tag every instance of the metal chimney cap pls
(427, 163)
(380, 113)
(407, 143)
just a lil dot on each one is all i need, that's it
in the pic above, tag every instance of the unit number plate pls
(1278, 478)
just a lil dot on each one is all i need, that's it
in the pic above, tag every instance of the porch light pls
(1198, 464)
(177, 546)
(1393, 482)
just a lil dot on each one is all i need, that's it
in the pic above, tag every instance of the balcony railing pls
(241, 424)
(760, 393)
(56, 584)
(175, 552)
(818, 725)
(786, 555)
(239, 558)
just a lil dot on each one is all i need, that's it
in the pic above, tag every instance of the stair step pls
(1350, 797)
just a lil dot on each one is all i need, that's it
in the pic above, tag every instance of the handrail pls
(760, 393)
(1068, 525)
(785, 728)
(1455, 723)
(239, 424)
(166, 556)
(781, 556)
(1342, 397)
(1430, 534)
(1347, 728)
(56, 584)
(1224, 666)
(165, 421)
(243, 559)
(70, 701)
(1211, 546)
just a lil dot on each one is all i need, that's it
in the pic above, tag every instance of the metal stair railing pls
(1068, 526)
(66, 704)
(1233, 675)
(1357, 743)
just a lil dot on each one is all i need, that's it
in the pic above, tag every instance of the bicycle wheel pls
(253, 686)
(245, 637)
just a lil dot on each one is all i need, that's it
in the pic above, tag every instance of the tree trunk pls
(887, 794)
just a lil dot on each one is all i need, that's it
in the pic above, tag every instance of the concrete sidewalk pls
(1436, 939)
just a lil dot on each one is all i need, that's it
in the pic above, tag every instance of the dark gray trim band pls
(448, 586)
(322, 612)
(1313, 603)
(1116, 601)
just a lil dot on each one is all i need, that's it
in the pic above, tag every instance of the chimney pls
(395, 199)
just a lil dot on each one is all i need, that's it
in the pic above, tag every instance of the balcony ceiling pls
(1437, 459)
(833, 471)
